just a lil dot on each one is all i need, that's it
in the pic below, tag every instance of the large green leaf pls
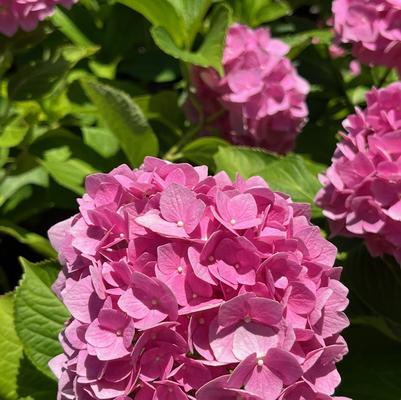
(243, 160)
(39, 314)
(124, 119)
(192, 12)
(10, 349)
(32, 384)
(36, 81)
(377, 283)
(101, 140)
(372, 369)
(69, 173)
(161, 13)
(202, 150)
(210, 52)
(294, 176)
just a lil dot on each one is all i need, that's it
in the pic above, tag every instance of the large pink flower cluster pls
(188, 286)
(260, 100)
(26, 14)
(372, 27)
(362, 188)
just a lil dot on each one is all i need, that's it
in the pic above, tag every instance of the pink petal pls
(253, 338)
(264, 383)
(160, 226)
(266, 311)
(284, 365)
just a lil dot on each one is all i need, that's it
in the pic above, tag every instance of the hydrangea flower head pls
(260, 99)
(187, 286)
(372, 27)
(362, 187)
(26, 14)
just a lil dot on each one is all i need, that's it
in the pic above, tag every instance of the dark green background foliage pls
(104, 84)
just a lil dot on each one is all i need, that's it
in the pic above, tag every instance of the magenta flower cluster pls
(188, 286)
(362, 188)
(372, 27)
(26, 14)
(260, 100)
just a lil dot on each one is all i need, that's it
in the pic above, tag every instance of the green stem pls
(175, 152)
(340, 80)
(384, 78)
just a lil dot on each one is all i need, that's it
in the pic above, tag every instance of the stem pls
(175, 152)
(340, 80)
(384, 78)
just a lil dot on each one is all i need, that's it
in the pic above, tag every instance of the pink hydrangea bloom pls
(372, 27)
(26, 14)
(362, 187)
(259, 101)
(187, 286)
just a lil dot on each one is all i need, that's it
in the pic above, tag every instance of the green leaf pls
(162, 106)
(372, 369)
(295, 177)
(257, 12)
(10, 349)
(192, 12)
(39, 314)
(270, 12)
(36, 81)
(243, 160)
(161, 13)
(33, 384)
(14, 132)
(210, 52)
(31, 239)
(202, 150)
(101, 140)
(299, 41)
(70, 173)
(73, 54)
(124, 119)
(377, 283)
(70, 30)
(66, 171)
(12, 183)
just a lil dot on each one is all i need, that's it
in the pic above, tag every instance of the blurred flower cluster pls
(26, 14)
(260, 99)
(362, 188)
(372, 27)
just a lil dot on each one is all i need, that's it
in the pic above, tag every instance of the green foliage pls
(34, 82)
(201, 151)
(372, 369)
(295, 176)
(10, 349)
(124, 119)
(257, 12)
(291, 174)
(39, 315)
(242, 160)
(31, 239)
(209, 53)
(377, 284)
